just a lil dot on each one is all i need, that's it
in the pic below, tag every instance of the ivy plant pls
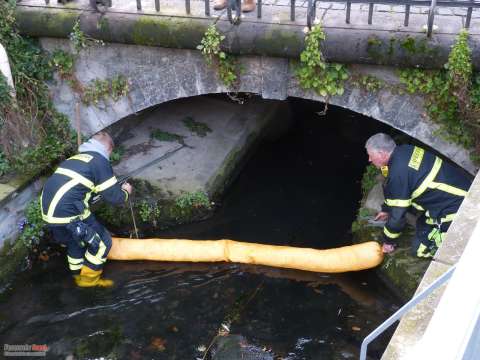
(451, 95)
(32, 227)
(314, 73)
(33, 135)
(226, 64)
(80, 40)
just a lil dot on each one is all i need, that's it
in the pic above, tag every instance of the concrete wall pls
(158, 75)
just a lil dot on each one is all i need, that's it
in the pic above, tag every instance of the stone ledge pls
(414, 323)
(280, 39)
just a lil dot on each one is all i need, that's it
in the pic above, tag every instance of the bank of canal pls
(301, 189)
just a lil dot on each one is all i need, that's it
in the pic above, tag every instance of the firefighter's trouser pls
(77, 256)
(429, 236)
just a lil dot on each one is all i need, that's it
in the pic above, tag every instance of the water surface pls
(300, 190)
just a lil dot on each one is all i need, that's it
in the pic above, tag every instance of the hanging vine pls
(314, 73)
(226, 64)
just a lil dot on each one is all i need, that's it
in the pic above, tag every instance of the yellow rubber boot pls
(91, 278)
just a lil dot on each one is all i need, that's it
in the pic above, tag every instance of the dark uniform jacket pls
(67, 192)
(420, 179)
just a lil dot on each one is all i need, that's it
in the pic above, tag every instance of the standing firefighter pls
(418, 178)
(65, 207)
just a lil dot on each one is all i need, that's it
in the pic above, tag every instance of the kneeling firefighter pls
(416, 178)
(65, 208)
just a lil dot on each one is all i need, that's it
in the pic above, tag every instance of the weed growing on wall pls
(100, 90)
(368, 83)
(32, 227)
(80, 40)
(217, 58)
(369, 179)
(33, 135)
(314, 73)
(198, 128)
(193, 200)
(161, 135)
(4, 164)
(117, 154)
(148, 212)
(451, 95)
(63, 62)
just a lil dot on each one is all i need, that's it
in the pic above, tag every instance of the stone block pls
(274, 78)
(375, 198)
(462, 227)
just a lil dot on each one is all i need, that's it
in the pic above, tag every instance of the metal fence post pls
(431, 16)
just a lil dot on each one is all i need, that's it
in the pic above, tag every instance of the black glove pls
(84, 235)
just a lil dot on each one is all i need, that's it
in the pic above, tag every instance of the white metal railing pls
(400, 312)
(454, 330)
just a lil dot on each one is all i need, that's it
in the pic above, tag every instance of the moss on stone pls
(12, 256)
(401, 270)
(103, 25)
(46, 22)
(163, 211)
(279, 42)
(168, 32)
(230, 167)
(374, 45)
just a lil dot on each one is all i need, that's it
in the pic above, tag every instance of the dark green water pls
(301, 190)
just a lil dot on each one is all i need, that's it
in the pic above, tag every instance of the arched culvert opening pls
(300, 187)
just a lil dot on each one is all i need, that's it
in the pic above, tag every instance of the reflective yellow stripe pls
(126, 194)
(398, 202)
(106, 184)
(430, 177)
(73, 267)
(41, 204)
(445, 219)
(74, 261)
(65, 220)
(75, 180)
(418, 207)
(390, 234)
(421, 252)
(59, 194)
(74, 175)
(448, 218)
(384, 170)
(416, 158)
(87, 199)
(82, 157)
(447, 188)
(98, 258)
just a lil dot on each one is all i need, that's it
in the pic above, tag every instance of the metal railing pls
(400, 312)
(234, 6)
(432, 4)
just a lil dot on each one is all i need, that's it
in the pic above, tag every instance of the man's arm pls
(108, 186)
(397, 201)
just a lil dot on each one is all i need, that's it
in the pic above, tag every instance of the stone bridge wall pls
(157, 75)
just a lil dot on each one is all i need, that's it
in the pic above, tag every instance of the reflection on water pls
(169, 311)
(301, 190)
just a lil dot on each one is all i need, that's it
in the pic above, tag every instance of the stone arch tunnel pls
(158, 75)
(164, 76)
